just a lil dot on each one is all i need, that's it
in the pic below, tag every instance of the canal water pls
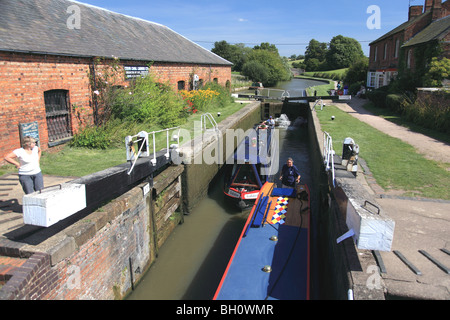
(191, 263)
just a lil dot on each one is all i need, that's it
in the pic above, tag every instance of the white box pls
(51, 206)
(372, 231)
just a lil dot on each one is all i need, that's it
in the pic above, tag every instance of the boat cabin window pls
(244, 176)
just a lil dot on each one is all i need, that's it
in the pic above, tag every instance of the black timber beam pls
(108, 184)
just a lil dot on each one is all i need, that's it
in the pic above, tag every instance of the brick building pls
(425, 24)
(48, 50)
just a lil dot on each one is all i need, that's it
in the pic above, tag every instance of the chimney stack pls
(436, 10)
(414, 11)
(428, 5)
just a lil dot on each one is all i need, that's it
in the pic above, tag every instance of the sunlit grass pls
(394, 164)
(77, 162)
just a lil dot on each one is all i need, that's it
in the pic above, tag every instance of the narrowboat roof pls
(288, 256)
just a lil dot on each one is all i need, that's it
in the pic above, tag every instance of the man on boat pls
(270, 123)
(289, 174)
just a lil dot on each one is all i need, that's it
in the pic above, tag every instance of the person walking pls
(289, 174)
(27, 160)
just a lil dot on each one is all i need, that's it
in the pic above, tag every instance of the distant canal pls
(191, 262)
(294, 87)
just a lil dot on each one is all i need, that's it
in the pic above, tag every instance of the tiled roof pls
(41, 26)
(402, 27)
(436, 30)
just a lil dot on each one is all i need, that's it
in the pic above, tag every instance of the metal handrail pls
(144, 137)
(328, 153)
(211, 119)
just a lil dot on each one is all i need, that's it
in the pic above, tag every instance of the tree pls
(343, 51)
(233, 53)
(315, 55)
(357, 73)
(439, 70)
(276, 68)
(266, 46)
(255, 71)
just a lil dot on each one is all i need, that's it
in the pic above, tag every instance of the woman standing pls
(26, 159)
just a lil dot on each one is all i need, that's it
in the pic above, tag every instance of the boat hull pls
(276, 235)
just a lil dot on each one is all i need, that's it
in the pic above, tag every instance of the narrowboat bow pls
(253, 164)
(272, 256)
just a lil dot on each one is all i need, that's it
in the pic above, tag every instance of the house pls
(426, 24)
(48, 53)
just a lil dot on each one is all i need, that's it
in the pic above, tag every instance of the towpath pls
(429, 147)
(421, 225)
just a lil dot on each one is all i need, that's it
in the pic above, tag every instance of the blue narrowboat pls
(255, 162)
(271, 260)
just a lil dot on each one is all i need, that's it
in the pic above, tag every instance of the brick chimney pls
(414, 11)
(428, 5)
(436, 10)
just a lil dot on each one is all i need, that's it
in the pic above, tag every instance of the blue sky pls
(288, 24)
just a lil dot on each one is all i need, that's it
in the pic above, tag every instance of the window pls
(385, 51)
(371, 79)
(397, 47)
(408, 59)
(58, 115)
(376, 54)
(181, 85)
(380, 80)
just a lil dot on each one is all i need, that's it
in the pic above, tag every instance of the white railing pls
(328, 154)
(212, 121)
(142, 141)
(318, 101)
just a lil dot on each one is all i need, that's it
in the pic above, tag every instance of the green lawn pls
(78, 162)
(394, 164)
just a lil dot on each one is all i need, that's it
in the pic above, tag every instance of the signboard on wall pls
(132, 72)
(29, 129)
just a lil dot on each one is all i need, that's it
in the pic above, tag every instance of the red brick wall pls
(183, 72)
(25, 77)
(390, 61)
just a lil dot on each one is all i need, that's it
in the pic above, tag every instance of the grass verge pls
(78, 162)
(394, 164)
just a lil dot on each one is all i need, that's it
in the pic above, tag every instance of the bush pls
(355, 87)
(92, 138)
(430, 112)
(378, 97)
(439, 70)
(149, 101)
(255, 71)
(396, 102)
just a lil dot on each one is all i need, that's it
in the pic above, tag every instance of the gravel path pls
(431, 148)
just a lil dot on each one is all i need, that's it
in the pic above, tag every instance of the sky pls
(288, 24)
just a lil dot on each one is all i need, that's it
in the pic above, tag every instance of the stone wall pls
(104, 254)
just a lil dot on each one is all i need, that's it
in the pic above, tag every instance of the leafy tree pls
(343, 51)
(439, 70)
(266, 46)
(233, 53)
(315, 55)
(256, 71)
(276, 68)
(357, 73)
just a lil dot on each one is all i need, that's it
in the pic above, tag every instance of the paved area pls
(422, 226)
(11, 218)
